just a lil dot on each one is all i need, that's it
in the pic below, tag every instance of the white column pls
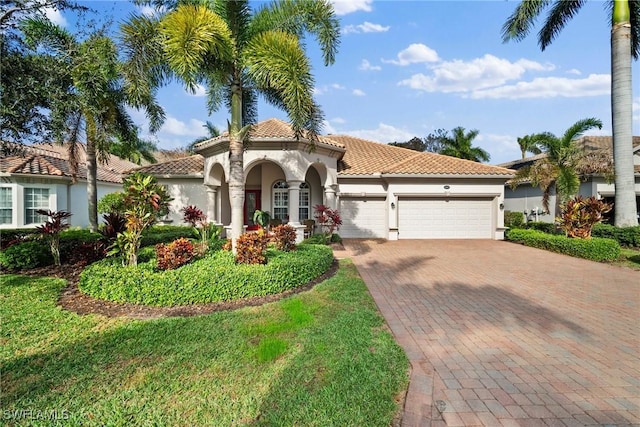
(330, 196)
(294, 202)
(212, 199)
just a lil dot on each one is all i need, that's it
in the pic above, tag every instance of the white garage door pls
(444, 218)
(363, 217)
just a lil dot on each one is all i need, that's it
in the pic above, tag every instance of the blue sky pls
(406, 68)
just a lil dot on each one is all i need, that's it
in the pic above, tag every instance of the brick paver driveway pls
(501, 334)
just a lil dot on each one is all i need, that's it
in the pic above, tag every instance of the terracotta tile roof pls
(51, 159)
(270, 130)
(367, 157)
(192, 165)
(589, 143)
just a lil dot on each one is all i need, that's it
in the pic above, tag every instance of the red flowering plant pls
(329, 219)
(203, 229)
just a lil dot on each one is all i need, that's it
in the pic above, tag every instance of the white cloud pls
(503, 148)
(173, 126)
(150, 10)
(550, 87)
(200, 91)
(383, 133)
(366, 27)
(636, 109)
(55, 16)
(366, 66)
(415, 53)
(479, 73)
(339, 120)
(575, 72)
(321, 90)
(358, 92)
(344, 7)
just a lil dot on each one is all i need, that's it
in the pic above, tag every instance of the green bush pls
(513, 219)
(166, 234)
(216, 277)
(626, 236)
(595, 249)
(25, 255)
(11, 236)
(545, 227)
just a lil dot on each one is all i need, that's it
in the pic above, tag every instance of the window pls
(281, 201)
(6, 205)
(34, 199)
(305, 201)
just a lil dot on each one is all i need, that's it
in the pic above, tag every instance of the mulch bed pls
(73, 300)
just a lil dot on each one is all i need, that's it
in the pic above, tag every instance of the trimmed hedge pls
(166, 234)
(545, 227)
(513, 219)
(214, 278)
(595, 249)
(25, 255)
(626, 236)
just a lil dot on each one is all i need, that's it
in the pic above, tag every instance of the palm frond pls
(634, 9)
(521, 176)
(522, 20)
(277, 63)
(39, 31)
(237, 15)
(567, 183)
(195, 40)
(579, 128)
(561, 12)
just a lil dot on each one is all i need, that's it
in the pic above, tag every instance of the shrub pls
(175, 254)
(112, 203)
(329, 219)
(251, 248)
(626, 236)
(14, 236)
(81, 246)
(595, 249)
(513, 219)
(114, 224)
(25, 255)
(193, 216)
(545, 227)
(227, 245)
(56, 223)
(212, 278)
(284, 237)
(579, 214)
(165, 234)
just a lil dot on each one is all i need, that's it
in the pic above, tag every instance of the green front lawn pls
(321, 358)
(629, 258)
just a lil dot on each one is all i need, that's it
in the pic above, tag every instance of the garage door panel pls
(363, 217)
(436, 218)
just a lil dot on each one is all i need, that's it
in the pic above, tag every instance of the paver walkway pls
(501, 334)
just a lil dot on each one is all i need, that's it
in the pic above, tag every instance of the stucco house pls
(528, 199)
(40, 178)
(381, 191)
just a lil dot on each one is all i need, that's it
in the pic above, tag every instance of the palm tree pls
(528, 144)
(237, 54)
(95, 105)
(459, 145)
(563, 164)
(212, 131)
(135, 150)
(625, 43)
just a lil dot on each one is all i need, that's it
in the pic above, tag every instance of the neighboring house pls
(381, 191)
(41, 178)
(527, 199)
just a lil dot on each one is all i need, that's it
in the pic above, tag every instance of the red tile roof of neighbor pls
(186, 166)
(52, 160)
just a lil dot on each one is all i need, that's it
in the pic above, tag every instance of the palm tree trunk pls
(621, 112)
(92, 192)
(236, 165)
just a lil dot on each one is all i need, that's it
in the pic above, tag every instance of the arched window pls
(281, 201)
(305, 202)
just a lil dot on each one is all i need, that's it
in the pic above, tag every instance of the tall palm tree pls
(237, 53)
(563, 164)
(625, 44)
(212, 132)
(528, 144)
(459, 145)
(95, 106)
(134, 149)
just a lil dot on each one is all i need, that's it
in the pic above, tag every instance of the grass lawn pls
(319, 358)
(630, 258)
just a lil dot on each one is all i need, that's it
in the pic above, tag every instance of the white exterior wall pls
(185, 192)
(526, 198)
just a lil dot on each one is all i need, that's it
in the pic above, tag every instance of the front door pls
(251, 204)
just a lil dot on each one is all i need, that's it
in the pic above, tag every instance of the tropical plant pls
(415, 144)
(114, 224)
(175, 254)
(528, 144)
(94, 108)
(203, 229)
(134, 149)
(329, 219)
(262, 218)
(112, 202)
(145, 202)
(51, 229)
(563, 164)
(193, 215)
(625, 44)
(580, 214)
(459, 145)
(212, 132)
(236, 53)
